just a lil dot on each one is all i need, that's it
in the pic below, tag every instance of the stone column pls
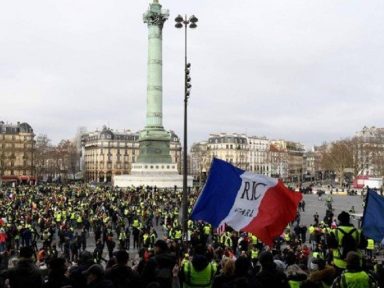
(154, 140)
(155, 18)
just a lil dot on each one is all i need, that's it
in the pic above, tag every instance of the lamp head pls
(179, 25)
(179, 18)
(192, 25)
(193, 19)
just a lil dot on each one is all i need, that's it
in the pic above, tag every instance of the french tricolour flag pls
(246, 201)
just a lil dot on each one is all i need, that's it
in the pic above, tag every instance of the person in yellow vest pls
(175, 222)
(206, 232)
(177, 234)
(254, 239)
(199, 272)
(135, 223)
(171, 232)
(354, 276)
(254, 254)
(58, 217)
(312, 237)
(370, 247)
(318, 255)
(122, 239)
(295, 276)
(152, 238)
(190, 224)
(79, 221)
(227, 239)
(287, 236)
(146, 240)
(207, 229)
(343, 239)
(72, 217)
(185, 260)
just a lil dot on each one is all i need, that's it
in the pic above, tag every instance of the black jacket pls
(272, 278)
(123, 277)
(25, 274)
(159, 269)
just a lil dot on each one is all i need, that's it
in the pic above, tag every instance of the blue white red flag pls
(246, 201)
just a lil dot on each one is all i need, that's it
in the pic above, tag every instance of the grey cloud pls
(308, 71)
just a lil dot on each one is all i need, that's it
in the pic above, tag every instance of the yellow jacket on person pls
(370, 244)
(203, 278)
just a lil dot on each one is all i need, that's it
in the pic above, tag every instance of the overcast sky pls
(302, 70)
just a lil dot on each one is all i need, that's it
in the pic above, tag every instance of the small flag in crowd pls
(373, 217)
(246, 201)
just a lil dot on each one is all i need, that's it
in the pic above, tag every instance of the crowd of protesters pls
(84, 236)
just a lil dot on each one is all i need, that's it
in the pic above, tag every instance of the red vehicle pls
(363, 181)
(23, 179)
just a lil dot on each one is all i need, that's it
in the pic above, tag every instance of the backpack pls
(348, 243)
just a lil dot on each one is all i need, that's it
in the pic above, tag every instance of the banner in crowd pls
(373, 217)
(246, 201)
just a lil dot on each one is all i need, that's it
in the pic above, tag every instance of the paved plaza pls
(340, 203)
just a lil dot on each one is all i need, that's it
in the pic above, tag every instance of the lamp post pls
(180, 23)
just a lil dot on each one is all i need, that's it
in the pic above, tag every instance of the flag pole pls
(365, 207)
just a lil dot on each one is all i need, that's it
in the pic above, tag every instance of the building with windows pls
(310, 166)
(279, 161)
(369, 151)
(276, 158)
(16, 152)
(259, 155)
(295, 161)
(232, 148)
(199, 160)
(107, 153)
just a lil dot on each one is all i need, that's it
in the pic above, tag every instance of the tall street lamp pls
(180, 23)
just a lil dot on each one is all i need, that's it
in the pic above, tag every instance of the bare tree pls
(41, 155)
(337, 157)
(67, 157)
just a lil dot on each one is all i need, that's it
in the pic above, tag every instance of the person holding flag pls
(246, 201)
